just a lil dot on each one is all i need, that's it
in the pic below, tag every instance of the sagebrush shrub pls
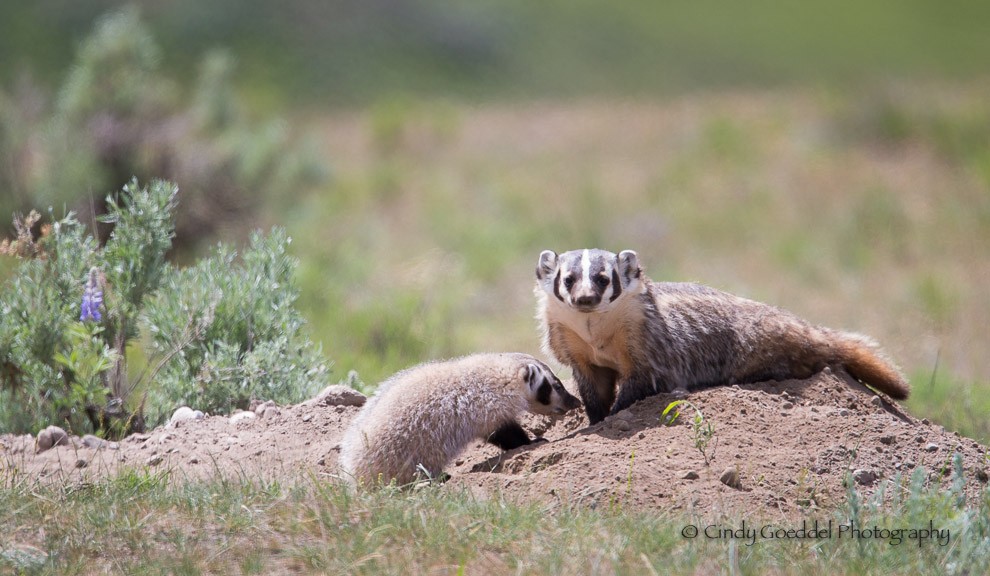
(220, 333)
(239, 332)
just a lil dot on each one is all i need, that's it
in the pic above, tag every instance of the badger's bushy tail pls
(865, 361)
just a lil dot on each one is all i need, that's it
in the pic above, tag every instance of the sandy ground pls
(792, 445)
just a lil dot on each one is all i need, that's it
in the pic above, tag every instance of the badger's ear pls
(629, 268)
(547, 264)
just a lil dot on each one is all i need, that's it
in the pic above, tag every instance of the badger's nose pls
(587, 300)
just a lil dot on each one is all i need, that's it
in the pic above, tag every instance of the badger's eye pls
(568, 282)
(601, 281)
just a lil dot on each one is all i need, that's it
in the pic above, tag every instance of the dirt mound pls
(777, 448)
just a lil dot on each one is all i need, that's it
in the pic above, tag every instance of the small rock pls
(260, 409)
(876, 401)
(194, 460)
(80, 463)
(339, 395)
(307, 417)
(50, 437)
(689, 475)
(926, 421)
(624, 414)
(843, 412)
(931, 447)
(730, 477)
(154, 460)
(888, 440)
(271, 412)
(787, 405)
(242, 417)
(623, 425)
(981, 475)
(864, 477)
(94, 442)
(182, 414)
(642, 435)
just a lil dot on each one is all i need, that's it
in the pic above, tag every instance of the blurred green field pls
(347, 52)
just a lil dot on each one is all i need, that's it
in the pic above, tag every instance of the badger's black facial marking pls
(556, 287)
(616, 285)
(543, 393)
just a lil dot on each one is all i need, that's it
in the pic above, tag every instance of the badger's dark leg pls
(509, 436)
(597, 387)
(631, 391)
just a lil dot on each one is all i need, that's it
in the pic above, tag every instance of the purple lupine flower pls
(92, 298)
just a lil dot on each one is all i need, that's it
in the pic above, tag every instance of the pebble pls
(260, 409)
(689, 475)
(242, 417)
(182, 414)
(931, 447)
(307, 417)
(888, 440)
(271, 412)
(730, 477)
(50, 437)
(80, 463)
(340, 395)
(787, 405)
(97, 443)
(154, 460)
(876, 401)
(864, 477)
(981, 475)
(843, 412)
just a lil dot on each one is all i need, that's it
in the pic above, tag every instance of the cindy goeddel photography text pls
(816, 530)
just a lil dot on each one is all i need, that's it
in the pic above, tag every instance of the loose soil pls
(792, 444)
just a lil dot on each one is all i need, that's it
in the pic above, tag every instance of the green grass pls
(955, 404)
(145, 523)
(318, 53)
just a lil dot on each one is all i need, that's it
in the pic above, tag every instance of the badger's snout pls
(588, 301)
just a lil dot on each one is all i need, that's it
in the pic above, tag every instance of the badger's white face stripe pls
(586, 271)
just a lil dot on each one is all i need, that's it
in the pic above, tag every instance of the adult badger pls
(627, 337)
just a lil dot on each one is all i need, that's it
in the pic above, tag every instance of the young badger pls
(424, 416)
(626, 337)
